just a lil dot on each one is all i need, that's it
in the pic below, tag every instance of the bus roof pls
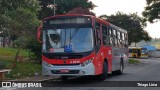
(93, 17)
(67, 15)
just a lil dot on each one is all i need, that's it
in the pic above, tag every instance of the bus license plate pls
(64, 70)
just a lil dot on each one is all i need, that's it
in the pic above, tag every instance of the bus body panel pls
(76, 70)
(116, 57)
(68, 64)
(107, 53)
(98, 62)
(68, 61)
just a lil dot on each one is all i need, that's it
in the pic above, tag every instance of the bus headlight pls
(86, 62)
(47, 64)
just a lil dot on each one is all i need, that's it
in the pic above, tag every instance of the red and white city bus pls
(78, 45)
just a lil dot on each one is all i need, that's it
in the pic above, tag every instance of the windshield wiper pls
(76, 31)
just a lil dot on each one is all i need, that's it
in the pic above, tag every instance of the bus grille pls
(70, 72)
(66, 64)
(51, 56)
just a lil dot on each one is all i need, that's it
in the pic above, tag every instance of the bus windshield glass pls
(70, 40)
(144, 51)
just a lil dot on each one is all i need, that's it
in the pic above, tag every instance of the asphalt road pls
(147, 70)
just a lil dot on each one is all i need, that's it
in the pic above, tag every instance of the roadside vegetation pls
(9, 53)
(24, 66)
(133, 61)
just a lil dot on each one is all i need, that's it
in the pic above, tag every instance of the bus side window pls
(114, 37)
(117, 38)
(110, 36)
(104, 33)
(126, 40)
(123, 42)
(98, 36)
(121, 39)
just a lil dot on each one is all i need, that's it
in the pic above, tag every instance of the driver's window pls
(98, 36)
(54, 38)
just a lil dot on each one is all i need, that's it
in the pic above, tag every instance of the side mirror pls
(39, 34)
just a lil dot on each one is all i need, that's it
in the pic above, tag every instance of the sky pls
(109, 7)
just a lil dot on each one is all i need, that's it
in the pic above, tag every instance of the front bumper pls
(74, 70)
(144, 56)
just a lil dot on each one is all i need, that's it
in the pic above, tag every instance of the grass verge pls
(12, 52)
(22, 69)
(133, 61)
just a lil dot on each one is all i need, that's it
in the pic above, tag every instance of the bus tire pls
(64, 78)
(105, 71)
(120, 71)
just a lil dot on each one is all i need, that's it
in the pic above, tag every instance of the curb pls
(35, 79)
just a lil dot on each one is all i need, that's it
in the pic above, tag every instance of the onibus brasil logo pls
(20, 84)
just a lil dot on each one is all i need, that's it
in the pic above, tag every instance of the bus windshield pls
(70, 40)
(144, 51)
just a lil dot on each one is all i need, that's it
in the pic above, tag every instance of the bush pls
(35, 47)
(23, 70)
(3, 64)
(133, 61)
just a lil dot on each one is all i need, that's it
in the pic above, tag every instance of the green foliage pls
(152, 10)
(3, 65)
(11, 52)
(133, 61)
(19, 20)
(132, 23)
(20, 42)
(12, 8)
(19, 17)
(62, 6)
(24, 23)
(34, 46)
(8, 54)
(23, 69)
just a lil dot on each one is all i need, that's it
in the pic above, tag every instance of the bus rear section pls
(138, 52)
(72, 46)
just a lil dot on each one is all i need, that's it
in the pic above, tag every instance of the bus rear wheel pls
(105, 72)
(120, 71)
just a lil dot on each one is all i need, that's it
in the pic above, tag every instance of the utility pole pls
(54, 8)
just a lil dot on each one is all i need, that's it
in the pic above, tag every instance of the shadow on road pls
(83, 81)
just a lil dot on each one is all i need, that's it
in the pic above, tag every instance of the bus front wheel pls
(105, 72)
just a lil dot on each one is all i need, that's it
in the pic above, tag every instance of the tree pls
(62, 6)
(80, 10)
(19, 19)
(132, 23)
(152, 10)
